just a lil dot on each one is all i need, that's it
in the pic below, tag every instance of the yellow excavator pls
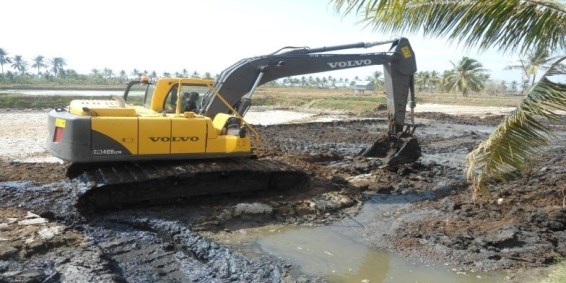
(190, 138)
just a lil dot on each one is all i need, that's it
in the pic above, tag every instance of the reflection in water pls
(324, 252)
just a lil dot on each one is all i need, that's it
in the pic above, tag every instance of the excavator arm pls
(237, 83)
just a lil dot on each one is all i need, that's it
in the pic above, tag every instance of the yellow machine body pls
(110, 130)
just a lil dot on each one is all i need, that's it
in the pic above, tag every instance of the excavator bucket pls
(394, 150)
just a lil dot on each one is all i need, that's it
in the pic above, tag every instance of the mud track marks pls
(146, 249)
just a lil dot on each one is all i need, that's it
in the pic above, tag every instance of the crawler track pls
(124, 184)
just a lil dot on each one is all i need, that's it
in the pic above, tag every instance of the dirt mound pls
(491, 120)
(35, 172)
(520, 224)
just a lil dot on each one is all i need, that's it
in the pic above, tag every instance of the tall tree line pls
(467, 75)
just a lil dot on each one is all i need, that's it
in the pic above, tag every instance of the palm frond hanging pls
(507, 25)
(520, 136)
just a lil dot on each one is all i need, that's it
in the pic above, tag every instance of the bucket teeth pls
(393, 150)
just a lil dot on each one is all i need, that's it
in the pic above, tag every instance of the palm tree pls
(506, 25)
(108, 73)
(136, 73)
(514, 85)
(123, 75)
(331, 81)
(446, 82)
(4, 59)
(376, 78)
(57, 64)
(536, 60)
(38, 63)
(311, 81)
(19, 64)
(434, 81)
(468, 75)
(421, 80)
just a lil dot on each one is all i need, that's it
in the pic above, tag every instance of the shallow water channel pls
(342, 253)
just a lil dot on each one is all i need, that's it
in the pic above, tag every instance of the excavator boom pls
(240, 79)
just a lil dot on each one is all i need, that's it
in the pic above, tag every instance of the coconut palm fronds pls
(520, 136)
(507, 25)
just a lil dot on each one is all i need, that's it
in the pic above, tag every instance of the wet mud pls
(425, 212)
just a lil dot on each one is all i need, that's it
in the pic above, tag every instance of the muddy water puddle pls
(329, 254)
(341, 253)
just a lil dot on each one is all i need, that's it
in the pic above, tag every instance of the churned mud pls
(422, 211)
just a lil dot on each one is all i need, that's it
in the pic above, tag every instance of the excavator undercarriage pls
(110, 185)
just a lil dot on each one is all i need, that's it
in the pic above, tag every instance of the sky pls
(206, 36)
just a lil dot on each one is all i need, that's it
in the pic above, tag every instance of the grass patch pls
(19, 101)
(33, 102)
(299, 98)
(472, 100)
(339, 103)
(120, 86)
(314, 98)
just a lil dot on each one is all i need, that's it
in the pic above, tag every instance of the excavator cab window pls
(171, 101)
(191, 99)
(148, 96)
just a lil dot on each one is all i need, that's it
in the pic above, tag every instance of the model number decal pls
(174, 139)
(106, 152)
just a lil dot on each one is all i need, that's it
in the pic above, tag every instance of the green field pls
(293, 98)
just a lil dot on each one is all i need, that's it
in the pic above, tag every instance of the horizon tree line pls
(467, 75)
